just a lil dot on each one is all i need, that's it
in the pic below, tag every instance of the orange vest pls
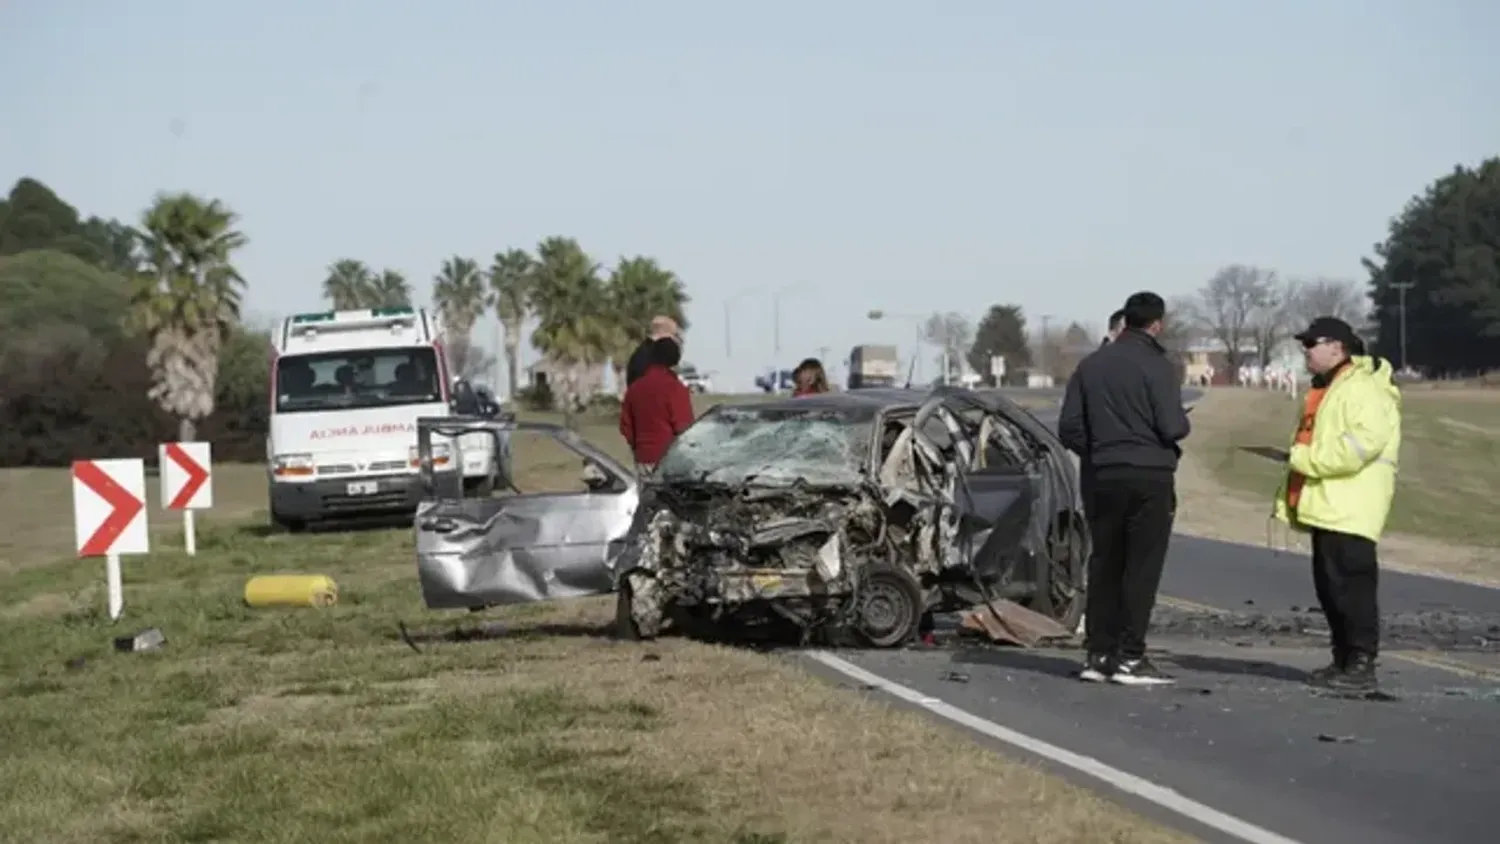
(1304, 437)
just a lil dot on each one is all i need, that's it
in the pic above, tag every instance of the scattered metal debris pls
(407, 638)
(1471, 693)
(1434, 629)
(1008, 622)
(150, 639)
(955, 677)
(1333, 739)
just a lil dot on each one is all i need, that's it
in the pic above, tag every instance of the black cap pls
(1331, 328)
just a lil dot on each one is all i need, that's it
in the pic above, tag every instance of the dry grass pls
(322, 725)
(1440, 522)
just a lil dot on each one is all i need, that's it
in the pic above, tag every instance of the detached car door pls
(520, 548)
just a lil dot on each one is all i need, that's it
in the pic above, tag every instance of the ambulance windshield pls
(357, 378)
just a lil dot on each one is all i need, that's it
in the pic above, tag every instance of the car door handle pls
(442, 525)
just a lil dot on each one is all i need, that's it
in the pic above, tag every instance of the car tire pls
(1064, 604)
(289, 525)
(890, 606)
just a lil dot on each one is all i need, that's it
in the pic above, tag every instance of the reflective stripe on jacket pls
(1349, 463)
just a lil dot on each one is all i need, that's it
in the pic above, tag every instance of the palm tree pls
(186, 300)
(638, 290)
(389, 290)
(573, 329)
(510, 286)
(348, 284)
(461, 298)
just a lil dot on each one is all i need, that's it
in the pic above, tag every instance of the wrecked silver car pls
(840, 515)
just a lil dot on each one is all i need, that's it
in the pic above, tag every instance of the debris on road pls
(291, 590)
(1333, 739)
(1008, 622)
(147, 640)
(955, 677)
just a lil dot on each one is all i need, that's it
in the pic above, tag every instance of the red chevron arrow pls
(197, 475)
(124, 507)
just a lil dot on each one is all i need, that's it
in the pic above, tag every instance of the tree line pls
(582, 314)
(115, 337)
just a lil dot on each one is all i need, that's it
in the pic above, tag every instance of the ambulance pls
(347, 388)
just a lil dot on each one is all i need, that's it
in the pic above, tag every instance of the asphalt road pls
(1240, 733)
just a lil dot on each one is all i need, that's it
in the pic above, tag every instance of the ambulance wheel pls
(289, 525)
(481, 488)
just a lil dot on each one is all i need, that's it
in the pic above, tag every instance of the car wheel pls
(1067, 578)
(890, 606)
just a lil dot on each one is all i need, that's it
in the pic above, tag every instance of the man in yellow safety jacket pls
(1340, 480)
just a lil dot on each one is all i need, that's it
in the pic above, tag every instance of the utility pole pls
(1401, 288)
(776, 323)
(1046, 343)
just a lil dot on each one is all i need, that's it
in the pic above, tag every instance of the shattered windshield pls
(770, 446)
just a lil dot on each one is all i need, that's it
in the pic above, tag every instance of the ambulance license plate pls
(363, 487)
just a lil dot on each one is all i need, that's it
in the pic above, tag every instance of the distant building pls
(1207, 361)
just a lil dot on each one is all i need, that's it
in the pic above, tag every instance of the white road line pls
(1125, 781)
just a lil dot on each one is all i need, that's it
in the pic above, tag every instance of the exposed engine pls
(812, 555)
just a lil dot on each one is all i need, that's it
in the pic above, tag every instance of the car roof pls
(869, 400)
(861, 400)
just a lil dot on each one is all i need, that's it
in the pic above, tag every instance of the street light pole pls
(1401, 288)
(728, 353)
(916, 355)
(776, 323)
(1046, 343)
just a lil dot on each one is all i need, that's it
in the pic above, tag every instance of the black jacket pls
(639, 360)
(1123, 407)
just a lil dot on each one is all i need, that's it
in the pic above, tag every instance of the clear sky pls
(909, 156)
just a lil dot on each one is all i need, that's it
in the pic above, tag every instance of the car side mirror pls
(464, 401)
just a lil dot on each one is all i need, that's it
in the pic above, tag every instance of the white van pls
(347, 388)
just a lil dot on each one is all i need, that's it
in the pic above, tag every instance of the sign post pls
(109, 517)
(186, 484)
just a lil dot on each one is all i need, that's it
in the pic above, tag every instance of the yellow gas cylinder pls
(291, 590)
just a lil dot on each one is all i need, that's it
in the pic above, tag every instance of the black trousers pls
(1346, 576)
(1130, 516)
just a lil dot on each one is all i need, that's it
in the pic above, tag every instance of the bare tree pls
(1272, 321)
(951, 333)
(1334, 297)
(1243, 308)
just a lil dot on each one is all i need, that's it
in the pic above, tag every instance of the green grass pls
(1450, 459)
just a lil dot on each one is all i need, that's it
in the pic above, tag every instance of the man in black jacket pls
(661, 326)
(1116, 325)
(1122, 415)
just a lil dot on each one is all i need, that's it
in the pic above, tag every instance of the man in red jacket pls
(657, 406)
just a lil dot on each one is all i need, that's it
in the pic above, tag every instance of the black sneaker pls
(1325, 675)
(1140, 672)
(1358, 676)
(1097, 668)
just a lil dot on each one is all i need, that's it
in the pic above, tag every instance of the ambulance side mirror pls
(464, 401)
